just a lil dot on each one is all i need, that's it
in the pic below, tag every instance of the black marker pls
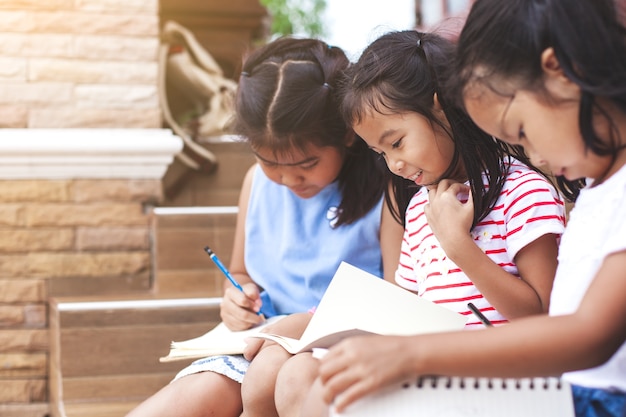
(479, 314)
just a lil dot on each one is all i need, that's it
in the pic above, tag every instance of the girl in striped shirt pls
(482, 225)
(496, 245)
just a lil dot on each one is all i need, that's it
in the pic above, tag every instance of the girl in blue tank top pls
(313, 200)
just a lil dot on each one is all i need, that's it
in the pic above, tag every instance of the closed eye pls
(380, 155)
(310, 165)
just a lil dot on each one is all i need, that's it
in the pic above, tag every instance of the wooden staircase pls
(104, 350)
(105, 347)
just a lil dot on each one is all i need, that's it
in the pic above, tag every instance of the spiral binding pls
(444, 382)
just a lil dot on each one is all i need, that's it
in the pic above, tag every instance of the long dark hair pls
(589, 43)
(287, 99)
(401, 72)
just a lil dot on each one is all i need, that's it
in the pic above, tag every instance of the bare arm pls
(513, 297)
(237, 309)
(533, 346)
(390, 242)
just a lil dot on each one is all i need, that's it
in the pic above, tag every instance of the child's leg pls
(294, 383)
(257, 389)
(198, 395)
(313, 405)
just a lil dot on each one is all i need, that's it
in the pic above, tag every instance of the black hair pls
(589, 42)
(401, 72)
(287, 98)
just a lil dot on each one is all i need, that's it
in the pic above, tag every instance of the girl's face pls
(306, 172)
(549, 133)
(544, 123)
(413, 147)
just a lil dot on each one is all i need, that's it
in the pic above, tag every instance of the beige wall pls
(70, 64)
(62, 237)
(79, 63)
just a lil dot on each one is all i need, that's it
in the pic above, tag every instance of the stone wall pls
(62, 236)
(75, 220)
(82, 161)
(79, 63)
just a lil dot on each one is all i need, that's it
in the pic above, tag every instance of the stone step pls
(107, 351)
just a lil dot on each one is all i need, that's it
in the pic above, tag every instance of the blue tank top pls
(292, 249)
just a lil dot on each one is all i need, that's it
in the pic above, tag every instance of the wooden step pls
(25, 410)
(100, 409)
(180, 234)
(107, 351)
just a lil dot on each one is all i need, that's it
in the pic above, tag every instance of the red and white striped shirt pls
(528, 208)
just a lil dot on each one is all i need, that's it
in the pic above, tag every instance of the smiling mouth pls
(415, 176)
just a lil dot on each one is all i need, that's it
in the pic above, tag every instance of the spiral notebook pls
(468, 397)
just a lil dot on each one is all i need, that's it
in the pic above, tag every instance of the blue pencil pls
(222, 268)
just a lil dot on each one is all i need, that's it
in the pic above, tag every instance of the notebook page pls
(468, 397)
(356, 299)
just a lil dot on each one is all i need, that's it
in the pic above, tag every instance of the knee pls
(294, 382)
(257, 389)
(254, 390)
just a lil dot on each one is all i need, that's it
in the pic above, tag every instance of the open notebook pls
(467, 397)
(357, 302)
(218, 341)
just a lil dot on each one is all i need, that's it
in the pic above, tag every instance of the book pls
(357, 302)
(218, 341)
(457, 397)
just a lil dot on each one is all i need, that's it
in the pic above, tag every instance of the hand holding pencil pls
(241, 303)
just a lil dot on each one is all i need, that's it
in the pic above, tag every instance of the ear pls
(550, 64)
(438, 111)
(556, 82)
(436, 104)
(350, 138)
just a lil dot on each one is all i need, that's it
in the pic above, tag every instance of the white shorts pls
(231, 366)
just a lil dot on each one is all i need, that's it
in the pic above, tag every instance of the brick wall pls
(63, 237)
(79, 63)
(74, 202)
(75, 220)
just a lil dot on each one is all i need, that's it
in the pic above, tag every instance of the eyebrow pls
(386, 134)
(304, 161)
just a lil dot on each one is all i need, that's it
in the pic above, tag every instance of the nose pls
(536, 159)
(396, 165)
(290, 179)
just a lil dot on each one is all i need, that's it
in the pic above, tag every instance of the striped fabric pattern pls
(528, 208)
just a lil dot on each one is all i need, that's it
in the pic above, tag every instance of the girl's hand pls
(358, 366)
(450, 212)
(239, 309)
(291, 326)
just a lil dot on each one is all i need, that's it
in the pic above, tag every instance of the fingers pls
(358, 366)
(355, 391)
(336, 374)
(238, 311)
(253, 302)
(341, 386)
(252, 348)
(449, 186)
